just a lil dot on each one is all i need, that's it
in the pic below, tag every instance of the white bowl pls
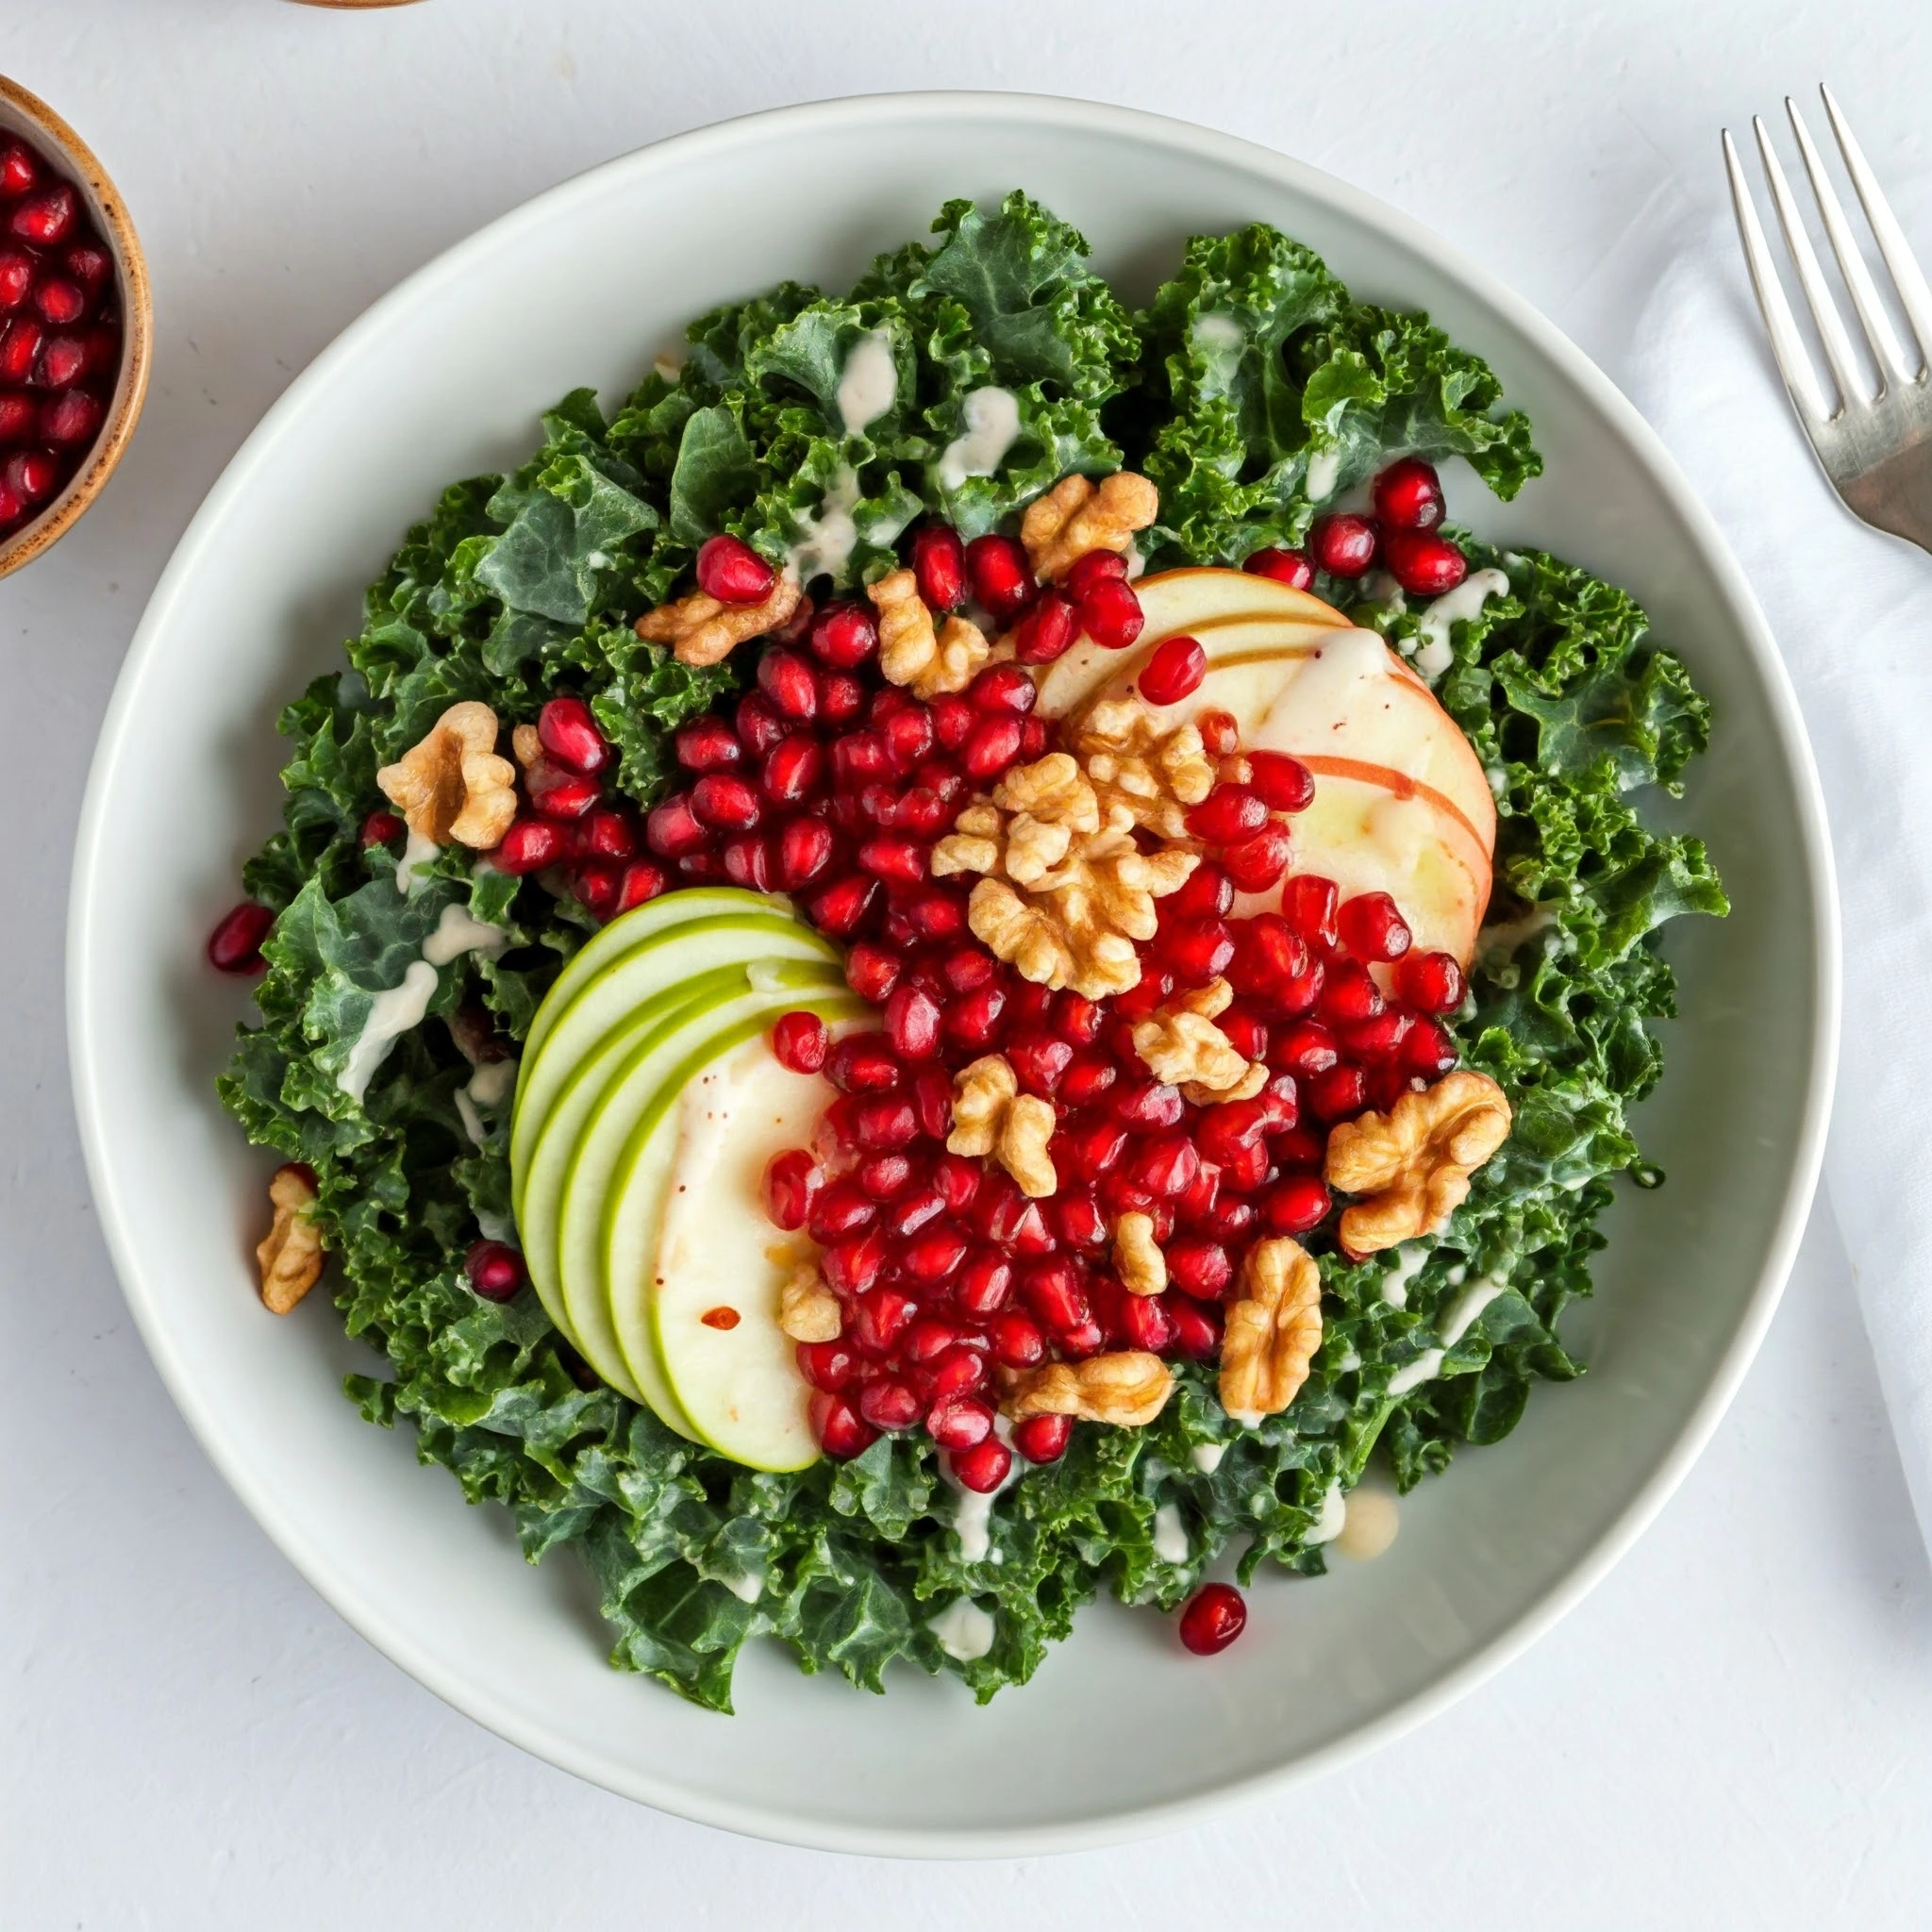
(1121, 1732)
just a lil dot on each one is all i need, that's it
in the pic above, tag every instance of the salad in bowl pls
(969, 956)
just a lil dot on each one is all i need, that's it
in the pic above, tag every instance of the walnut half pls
(1274, 1329)
(701, 630)
(1414, 1162)
(451, 788)
(991, 1116)
(289, 1255)
(1077, 515)
(1127, 1389)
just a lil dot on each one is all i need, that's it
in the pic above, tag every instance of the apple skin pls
(1402, 803)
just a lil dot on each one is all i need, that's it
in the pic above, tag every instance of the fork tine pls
(1831, 328)
(1914, 297)
(1879, 332)
(1786, 348)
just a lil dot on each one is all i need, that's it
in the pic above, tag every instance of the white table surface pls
(1735, 1730)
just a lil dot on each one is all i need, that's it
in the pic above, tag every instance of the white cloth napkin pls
(1852, 611)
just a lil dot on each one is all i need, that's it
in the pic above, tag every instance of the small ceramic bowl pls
(24, 115)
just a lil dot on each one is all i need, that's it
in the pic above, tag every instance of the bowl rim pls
(1818, 1060)
(105, 204)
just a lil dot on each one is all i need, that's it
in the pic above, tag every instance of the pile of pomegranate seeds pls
(59, 332)
(1401, 535)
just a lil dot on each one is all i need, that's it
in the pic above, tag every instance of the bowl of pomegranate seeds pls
(1000, 981)
(74, 324)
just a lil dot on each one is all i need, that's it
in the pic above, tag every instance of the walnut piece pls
(289, 1255)
(453, 789)
(991, 1116)
(1151, 770)
(1180, 1044)
(527, 744)
(1077, 515)
(1273, 1331)
(807, 1310)
(1128, 1390)
(1066, 891)
(701, 630)
(1137, 1256)
(928, 663)
(1414, 1162)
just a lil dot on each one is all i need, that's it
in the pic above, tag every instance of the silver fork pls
(1876, 448)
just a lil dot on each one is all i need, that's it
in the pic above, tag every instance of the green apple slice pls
(721, 1265)
(636, 927)
(574, 1018)
(644, 1082)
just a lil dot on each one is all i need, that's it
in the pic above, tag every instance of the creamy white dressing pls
(1435, 624)
(1349, 1363)
(391, 1015)
(867, 383)
(1169, 1537)
(1323, 467)
(1498, 777)
(1372, 1520)
(973, 1511)
(493, 1228)
(992, 426)
(1498, 941)
(1425, 1368)
(1379, 587)
(965, 1632)
(829, 538)
(1408, 1264)
(1328, 1525)
(1247, 1418)
(456, 933)
(1462, 1314)
(472, 1120)
(748, 1588)
(1217, 331)
(1322, 693)
(668, 368)
(419, 855)
(493, 1082)
(1206, 1456)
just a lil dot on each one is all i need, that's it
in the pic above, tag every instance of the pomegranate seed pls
(1077, 1221)
(64, 360)
(1289, 567)
(529, 845)
(828, 1365)
(569, 733)
(724, 802)
(235, 946)
(1044, 1438)
(45, 219)
(958, 1425)
(732, 571)
(991, 748)
(1151, 1103)
(1284, 784)
(1248, 1033)
(1208, 893)
(32, 474)
(908, 737)
(1111, 613)
(758, 724)
(957, 1180)
(839, 909)
(701, 868)
(794, 769)
(1018, 1342)
(1299, 1147)
(982, 1469)
(928, 1340)
(879, 1317)
(1052, 1291)
(790, 1180)
(1166, 1165)
(60, 300)
(786, 678)
(672, 830)
(1033, 738)
(800, 1041)
(1428, 1050)
(1001, 579)
(985, 1285)
(938, 561)
(900, 860)
(1295, 1204)
(1196, 953)
(842, 697)
(1382, 1038)
(1197, 1329)
(886, 1124)
(1423, 562)
(1047, 630)
(1084, 1339)
(606, 835)
(872, 971)
(805, 849)
(840, 1209)
(1032, 1237)
(17, 413)
(889, 1404)
(1093, 568)
(748, 861)
(1408, 495)
(1086, 1079)
(952, 724)
(705, 745)
(912, 1022)
(1259, 862)
(380, 828)
(1371, 928)
(1308, 904)
(885, 1175)
(1350, 996)
(559, 794)
(1144, 1323)
(19, 168)
(1003, 687)
(1173, 672)
(1220, 735)
(495, 1269)
(1228, 814)
(1431, 982)
(642, 881)
(594, 887)
(1247, 1168)
(1280, 1102)
(1388, 1082)
(1040, 1061)
(88, 266)
(860, 1063)
(1344, 546)
(1212, 1617)
(844, 635)
(20, 344)
(836, 1426)
(975, 1020)
(1198, 1267)
(1229, 1128)
(1338, 1094)
(1094, 1150)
